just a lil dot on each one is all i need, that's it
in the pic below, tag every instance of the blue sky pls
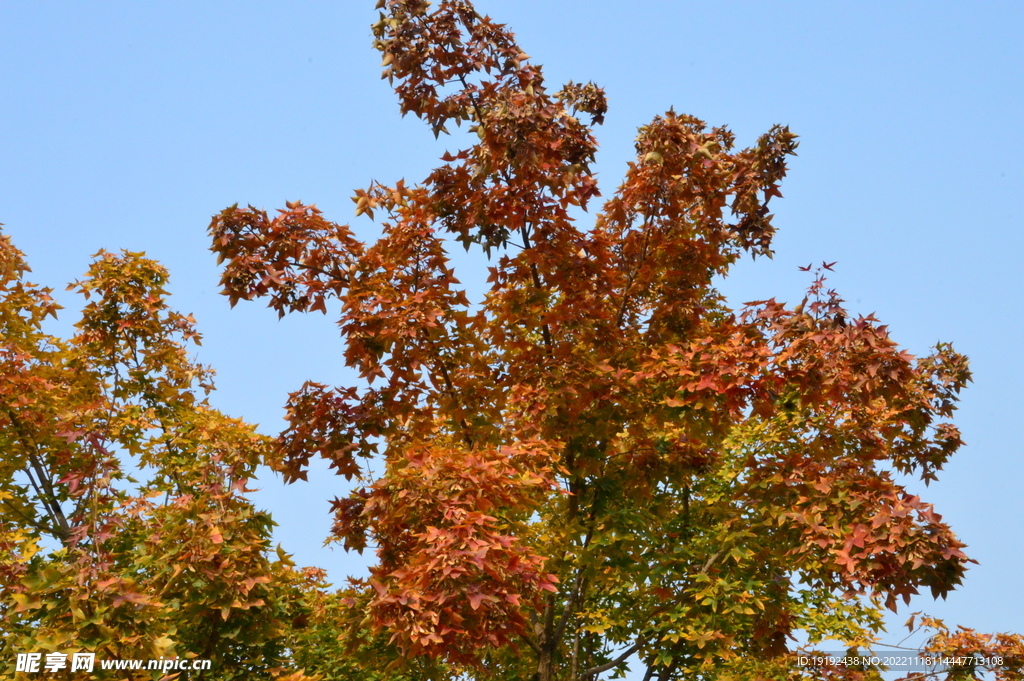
(128, 124)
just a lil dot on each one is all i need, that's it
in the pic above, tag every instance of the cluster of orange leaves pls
(661, 427)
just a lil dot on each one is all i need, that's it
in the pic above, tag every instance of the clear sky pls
(126, 125)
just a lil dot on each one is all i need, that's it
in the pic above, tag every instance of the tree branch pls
(34, 524)
(570, 604)
(537, 284)
(530, 642)
(43, 488)
(613, 663)
(711, 561)
(467, 438)
(632, 275)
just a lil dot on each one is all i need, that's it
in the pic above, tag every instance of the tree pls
(598, 459)
(124, 527)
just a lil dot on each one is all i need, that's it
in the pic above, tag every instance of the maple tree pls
(124, 526)
(598, 459)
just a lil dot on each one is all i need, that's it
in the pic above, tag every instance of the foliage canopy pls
(598, 459)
